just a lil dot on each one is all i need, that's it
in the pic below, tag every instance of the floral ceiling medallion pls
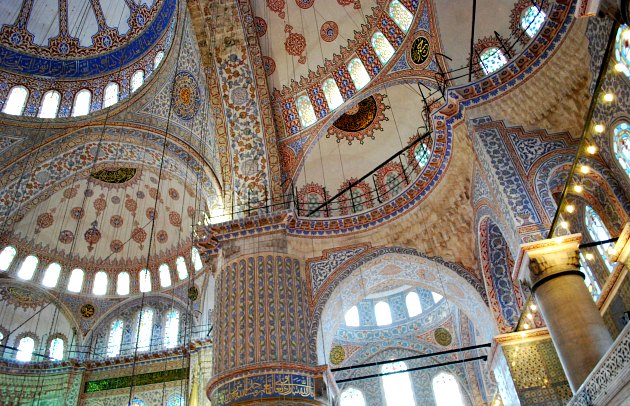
(361, 120)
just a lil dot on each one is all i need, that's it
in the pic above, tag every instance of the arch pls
(412, 301)
(532, 20)
(165, 276)
(122, 283)
(16, 101)
(351, 397)
(75, 283)
(383, 314)
(144, 335)
(332, 93)
(182, 270)
(171, 329)
(28, 268)
(144, 281)
(351, 317)
(383, 48)
(51, 275)
(100, 283)
(158, 59)
(401, 16)
(82, 103)
(446, 390)
(6, 257)
(305, 111)
(25, 348)
(621, 145)
(372, 270)
(491, 60)
(359, 75)
(110, 95)
(114, 339)
(56, 348)
(50, 104)
(397, 388)
(137, 79)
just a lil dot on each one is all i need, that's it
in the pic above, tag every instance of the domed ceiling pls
(79, 38)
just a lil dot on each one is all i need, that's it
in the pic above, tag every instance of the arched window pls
(122, 284)
(175, 400)
(75, 283)
(598, 232)
(115, 338)
(56, 349)
(398, 390)
(351, 397)
(182, 271)
(50, 104)
(145, 329)
(446, 390)
(25, 349)
(400, 15)
(532, 19)
(422, 152)
(171, 329)
(589, 279)
(332, 94)
(305, 111)
(413, 304)
(6, 257)
(51, 275)
(145, 280)
(158, 59)
(491, 60)
(359, 75)
(352, 317)
(436, 297)
(621, 145)
(16, 101)
(384, 50)
(383, 314)
(28, 268)
(165, 276)
(100, 283)
(196, 259)
(137, 79)
(622, 50)
(82, 102)
(110, 97)
(137, 402)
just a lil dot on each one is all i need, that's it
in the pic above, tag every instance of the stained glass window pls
(137, 402)
(422, 152)
(28, 268)
(6, 257)
(446, 390)
(51, 276)
(532, 20)
(145, 329)
(122, 285)
(158, 59)
(621, 145)
(436, 297)
(137, 79)
(115, 338)
(492, 59)
(305, 111)
(384, 50)
(352, 317)
(56, 349)
(25, 349)
(171, 330)
(622, 50)
(383, 314)
(398, 390)
(145, 280)
(351, 397)
(165, 276)
(359, 75)
(100, 283)
(182, 271)
(598, 232)
(196, 259)
(82, 102)
(50, 104)
(175, 400)
(16, 101)
(400, 15)
(413, 304)
(589, 279)
(111, 94)
(76, 280)
(332, 94)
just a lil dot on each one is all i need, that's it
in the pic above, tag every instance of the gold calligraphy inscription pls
(265, 386)
(420, 50)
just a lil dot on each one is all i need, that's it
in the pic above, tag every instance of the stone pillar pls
(260, 334)
(552, 270)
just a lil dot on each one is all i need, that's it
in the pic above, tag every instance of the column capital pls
(622, 247)
(540, 260)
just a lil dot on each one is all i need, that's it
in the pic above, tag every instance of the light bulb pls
(619, 67)
(599, 128)
(533, 307)
(585, 169)
(529, 316)
(608, 97)
(578, 188)
(525, 326)
(589, 256)
(570, 208)
(591, 149)
(564, 224)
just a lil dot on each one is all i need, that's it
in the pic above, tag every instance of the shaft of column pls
(552, 269)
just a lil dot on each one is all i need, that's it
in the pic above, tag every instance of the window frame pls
(7, 102)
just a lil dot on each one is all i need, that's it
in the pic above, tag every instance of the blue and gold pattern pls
(186, 95)
(266, 385)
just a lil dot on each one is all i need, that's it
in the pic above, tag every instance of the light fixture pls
(585, 169)
(591, 149)
(589, 256)
(525, 326)
(599, 128)
(578, 188)
(530, 316)
(608, 97)
(533, 307)
(564, 224)
(611, 251)
(619, 67)
(570, 208)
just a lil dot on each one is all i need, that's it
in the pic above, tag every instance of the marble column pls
(260, 335)
(552, 270)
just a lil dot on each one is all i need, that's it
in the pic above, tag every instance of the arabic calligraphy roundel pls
(186, 95)
(420, 50)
